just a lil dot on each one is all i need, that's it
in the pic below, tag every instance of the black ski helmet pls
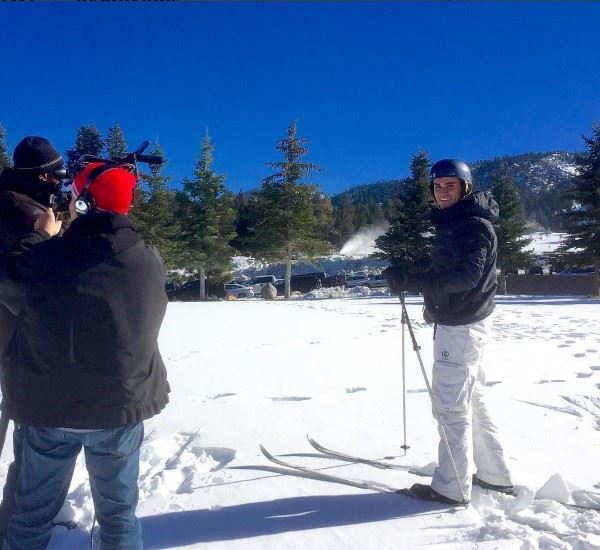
(452, 168)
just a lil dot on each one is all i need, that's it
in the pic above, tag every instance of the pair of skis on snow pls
(329, 453)
(359, 483)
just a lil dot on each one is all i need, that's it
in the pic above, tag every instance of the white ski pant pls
(458, 396)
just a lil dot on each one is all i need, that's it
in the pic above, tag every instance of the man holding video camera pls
(25, 193)
(84, 369)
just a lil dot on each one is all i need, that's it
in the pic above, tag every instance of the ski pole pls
(405, 446)
(436, 413)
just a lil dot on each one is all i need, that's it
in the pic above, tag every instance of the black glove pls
(398, 274)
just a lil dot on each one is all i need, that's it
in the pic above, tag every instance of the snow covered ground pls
(249, 372)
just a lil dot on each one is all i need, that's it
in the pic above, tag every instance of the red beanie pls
(112, 190)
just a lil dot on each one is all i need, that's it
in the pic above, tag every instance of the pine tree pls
(361, 216)
(245, 221)
(410, 229)
(88, 142)
(376, 214)
(4, 157)
(511, 227)
(208, 217)
(291, 214)
(582, 219)
(154, 211)
(116, 145)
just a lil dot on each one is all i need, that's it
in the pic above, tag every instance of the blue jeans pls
(8, 505)
(48, 461)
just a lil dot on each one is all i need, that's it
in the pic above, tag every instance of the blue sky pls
(369, 83)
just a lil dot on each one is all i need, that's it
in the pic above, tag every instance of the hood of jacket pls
(101, 232)
(480, 204)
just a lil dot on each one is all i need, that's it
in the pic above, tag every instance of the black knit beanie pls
(35, 155)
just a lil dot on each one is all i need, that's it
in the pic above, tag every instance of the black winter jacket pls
(22, 201)
(18, 212)
(459, 283)
(90, 305)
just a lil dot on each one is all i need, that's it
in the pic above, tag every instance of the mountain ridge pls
(539, 176)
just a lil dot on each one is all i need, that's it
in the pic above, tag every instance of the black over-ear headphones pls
(84, 203)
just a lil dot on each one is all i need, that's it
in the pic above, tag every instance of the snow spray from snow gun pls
(60, 200)
(403, 262)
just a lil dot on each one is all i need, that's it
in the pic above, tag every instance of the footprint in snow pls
(174, 466)
(595, 367)
(221, 395)
(290, 398)
(354, 390)
(570, 409)
(220, 455)
(583, 374)
(579, 355)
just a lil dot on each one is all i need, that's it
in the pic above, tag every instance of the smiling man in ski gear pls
(84, 369)
(458, 283)
(25, 191)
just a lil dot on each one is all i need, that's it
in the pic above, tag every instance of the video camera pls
(59, 201)
(135, 157)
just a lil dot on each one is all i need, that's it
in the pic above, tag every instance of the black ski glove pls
(398, 274)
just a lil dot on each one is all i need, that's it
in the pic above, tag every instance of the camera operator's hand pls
(397, 274)
(48, 223)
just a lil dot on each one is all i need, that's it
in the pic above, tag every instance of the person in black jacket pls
(84, 368)
(458, 282)
(25, 191)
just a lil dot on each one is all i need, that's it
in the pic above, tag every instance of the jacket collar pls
(479, 204)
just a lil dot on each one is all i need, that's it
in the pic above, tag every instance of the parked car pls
(539, 270)
(190, 291)
(377, 281)
(580, 271)
(170, 287)
(358, 279)
(187, 292)
(304, 282)
(239, 291)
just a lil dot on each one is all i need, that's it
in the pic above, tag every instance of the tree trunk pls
(597, 279)
(502, 282)
(288, 278)
(202, 283)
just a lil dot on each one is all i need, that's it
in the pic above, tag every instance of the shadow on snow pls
(257, 519)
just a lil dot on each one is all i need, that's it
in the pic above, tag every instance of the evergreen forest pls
(198, 224)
